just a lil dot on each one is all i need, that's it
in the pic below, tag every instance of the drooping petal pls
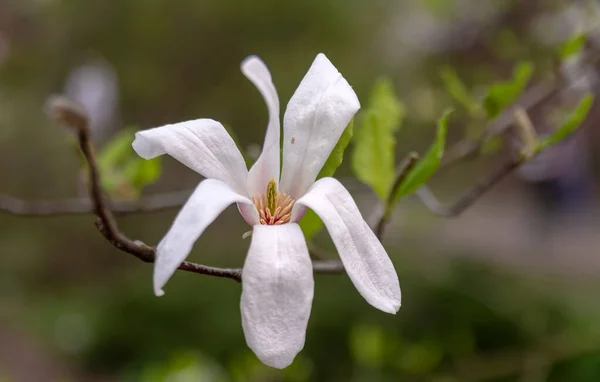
(277, 293)
(363, 256)
(202, 145)
(314, 120)
(207, 202)
(267, 164)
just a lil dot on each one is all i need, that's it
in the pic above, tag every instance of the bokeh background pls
(508, 291)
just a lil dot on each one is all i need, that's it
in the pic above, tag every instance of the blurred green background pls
(505, 292)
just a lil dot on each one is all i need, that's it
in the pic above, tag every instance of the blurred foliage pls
(573, 120)
(430, 162)
(573, 46)
(373, 158)
(458, 90)
(503, 93)
(124, 173)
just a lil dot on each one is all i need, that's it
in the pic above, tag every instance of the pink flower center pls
(273, 207)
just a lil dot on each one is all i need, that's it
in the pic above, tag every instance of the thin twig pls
(403, 169)
(469, 197)
(84, 205)
(65, 112)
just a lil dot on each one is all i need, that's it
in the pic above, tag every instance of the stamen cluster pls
(273, 208)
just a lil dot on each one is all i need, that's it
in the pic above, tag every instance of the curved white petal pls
(277, 293)
(249, 213)
(364, 258)
(202, 145)
(314, 120)
(267, 164)
(207, 202)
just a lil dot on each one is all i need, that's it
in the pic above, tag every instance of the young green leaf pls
(124, 173)
(140, 172)
(373, 159)
(503, 93)
(457, 89)
(573, 120)
(572, 46)
(337, 155)
(117, 150)
(430, 162)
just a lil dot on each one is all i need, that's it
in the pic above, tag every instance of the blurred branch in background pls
(535, 96)
(529, 148)
(470, 196)
(72, 206)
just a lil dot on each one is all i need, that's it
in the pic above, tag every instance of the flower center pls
(273, 207)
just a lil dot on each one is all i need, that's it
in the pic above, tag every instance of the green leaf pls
(310, 223)
(117, 150)
(457, 89)
(573, 120)
(124, 173)
(337, 155)
(573, 46)
(141, 172)
(373, 159)
(430, 162)
(503, 93)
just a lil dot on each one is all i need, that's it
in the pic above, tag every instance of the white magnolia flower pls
(277, 282)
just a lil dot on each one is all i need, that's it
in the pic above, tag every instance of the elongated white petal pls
(314, 120)
(267, 164)
(202, 144)
(207, 202)
(364, 258)
(277, 293)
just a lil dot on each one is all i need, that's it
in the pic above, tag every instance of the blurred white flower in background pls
(94, 85)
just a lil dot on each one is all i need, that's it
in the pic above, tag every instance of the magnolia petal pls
(266, 166)
(249, 213)
(207, 202)
(202, 145)
(277, 293)
(314, 120)
(363, 256)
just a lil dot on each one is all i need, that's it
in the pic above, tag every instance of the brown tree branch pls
(471, 195)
